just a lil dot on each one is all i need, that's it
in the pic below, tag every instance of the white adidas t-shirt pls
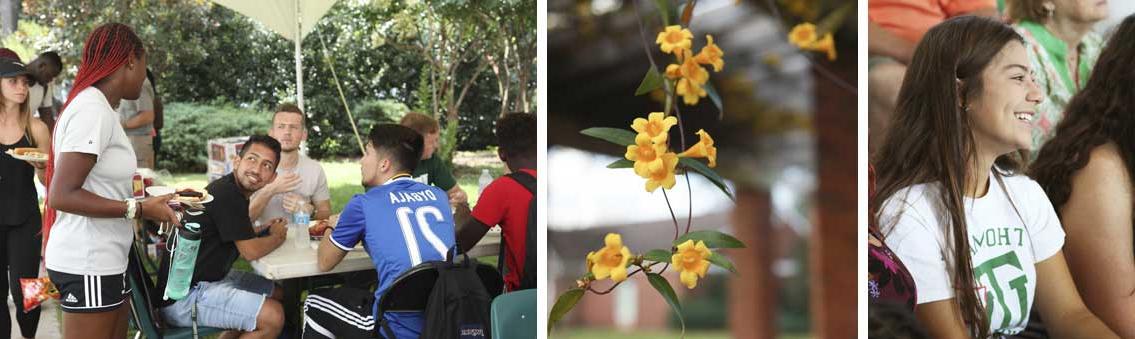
(85, 245)
(1004, 249)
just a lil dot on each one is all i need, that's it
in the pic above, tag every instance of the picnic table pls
(295, 268)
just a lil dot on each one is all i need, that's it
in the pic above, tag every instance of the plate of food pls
(316, 228)
(191, 197)
(28, 154)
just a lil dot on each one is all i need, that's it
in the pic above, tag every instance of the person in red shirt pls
(507, 201)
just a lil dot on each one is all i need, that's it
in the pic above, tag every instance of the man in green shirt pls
(431, 170)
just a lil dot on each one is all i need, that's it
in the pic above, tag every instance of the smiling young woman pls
(981, 242)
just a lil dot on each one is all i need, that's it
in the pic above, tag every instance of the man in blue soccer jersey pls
(400, 222)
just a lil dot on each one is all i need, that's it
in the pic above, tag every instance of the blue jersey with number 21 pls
(401, 223)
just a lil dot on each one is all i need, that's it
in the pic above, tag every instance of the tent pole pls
(299, 57)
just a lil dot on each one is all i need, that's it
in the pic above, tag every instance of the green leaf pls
(722, 261)
(834, 19)
(564, 303)
(658, 255)
(621, 163)
(708, 173)
(617, 136)
(664, 10)
(716, 98)
(650, 82)
(712, 239)
(667, 293)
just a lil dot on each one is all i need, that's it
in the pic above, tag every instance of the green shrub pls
(188, 128)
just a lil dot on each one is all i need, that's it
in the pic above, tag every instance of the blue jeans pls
(231, 303)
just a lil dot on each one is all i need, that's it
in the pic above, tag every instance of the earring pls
(1049, 9)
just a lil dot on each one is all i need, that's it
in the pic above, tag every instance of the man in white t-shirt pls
(137, 118)
(1008, 235)
(41, 93)
(300, 181)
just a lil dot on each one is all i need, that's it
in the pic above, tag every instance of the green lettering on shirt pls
(1018, 284)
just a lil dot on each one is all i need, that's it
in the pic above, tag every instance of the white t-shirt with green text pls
(1004, 245)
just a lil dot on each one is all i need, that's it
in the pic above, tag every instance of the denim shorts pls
(231, 303)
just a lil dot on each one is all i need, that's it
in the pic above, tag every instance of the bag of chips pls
(36, 291)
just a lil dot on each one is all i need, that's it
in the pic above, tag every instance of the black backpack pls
(528, 273)
(459, 304)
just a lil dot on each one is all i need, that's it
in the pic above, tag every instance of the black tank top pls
(18, 198)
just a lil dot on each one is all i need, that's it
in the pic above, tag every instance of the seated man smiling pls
(223, 298)
(400, 222)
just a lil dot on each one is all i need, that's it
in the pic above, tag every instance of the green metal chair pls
(514, 315)
(143, 314)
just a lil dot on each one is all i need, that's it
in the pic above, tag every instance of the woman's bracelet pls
(131, 209)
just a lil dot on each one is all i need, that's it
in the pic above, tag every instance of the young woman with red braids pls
(89, 184)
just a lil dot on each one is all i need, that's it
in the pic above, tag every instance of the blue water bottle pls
(184, 258)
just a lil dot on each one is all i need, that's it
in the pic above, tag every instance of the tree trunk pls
(9, 16)
(523, 67)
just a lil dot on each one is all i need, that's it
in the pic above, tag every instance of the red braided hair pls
(10, 54)
(108, 48)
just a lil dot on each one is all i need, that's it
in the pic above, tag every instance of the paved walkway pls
(48, 320)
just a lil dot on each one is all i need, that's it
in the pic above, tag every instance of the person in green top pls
(431, 170)
(1049, 28)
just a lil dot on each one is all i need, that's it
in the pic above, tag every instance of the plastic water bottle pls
(300, 219)
(183, 261)
(484, 180)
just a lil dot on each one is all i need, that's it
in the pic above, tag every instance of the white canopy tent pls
(291, 19)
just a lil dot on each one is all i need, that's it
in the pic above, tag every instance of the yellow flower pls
(662, 176)
(645, 154)
(656, 126)
(703, 149)
(802, 35)
(692, 260)
(690, 69)
(611, 260)
(674, 38)
(826, 44)
(673, 72)
(711, 55)
(690, 91)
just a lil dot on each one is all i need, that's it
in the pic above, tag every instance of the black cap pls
(10, 68)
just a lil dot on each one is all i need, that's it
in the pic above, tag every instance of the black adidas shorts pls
(339, 313)
(90, 293)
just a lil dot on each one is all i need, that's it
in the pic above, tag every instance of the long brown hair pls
(931, 140)
(1098, 114)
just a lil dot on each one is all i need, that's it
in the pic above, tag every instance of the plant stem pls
(642, 33)
(636, 271)
(690, 209)
(672, 216)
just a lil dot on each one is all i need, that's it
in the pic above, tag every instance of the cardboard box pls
(223, 153)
